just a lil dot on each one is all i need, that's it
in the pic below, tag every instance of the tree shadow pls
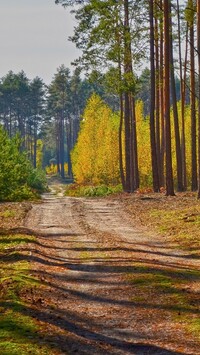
(81, 333)
(85, 341)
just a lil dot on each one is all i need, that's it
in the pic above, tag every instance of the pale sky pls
(34, 37)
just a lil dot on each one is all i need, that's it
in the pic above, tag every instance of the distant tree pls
(17, 176)
(58, 105)
(144, 89)
(37, 110)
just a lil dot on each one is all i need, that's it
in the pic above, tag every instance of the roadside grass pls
(177, 221)
(8, 214)
(182, 225)
(76, 190)
(168, 289)
(175, 218)
(19, 333)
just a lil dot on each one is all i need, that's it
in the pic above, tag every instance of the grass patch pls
(177, 218)
(19, 335)
(170, 290)
(8, 214)
(92, 191)
(182, 225)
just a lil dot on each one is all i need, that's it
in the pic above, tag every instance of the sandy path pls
(86, 251)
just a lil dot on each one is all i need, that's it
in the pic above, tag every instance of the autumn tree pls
(95, 156)
(106, 33)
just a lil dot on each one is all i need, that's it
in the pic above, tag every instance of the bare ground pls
(88, 254)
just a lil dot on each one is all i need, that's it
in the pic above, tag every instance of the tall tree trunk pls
(156, 185)
(198, 55)
(157, 93)
(183, 143)
(169, 172)
(121, 104)
(161, 88)
(62, 169)
(176, 121)
(182, 95)
(135, 173)
(58, 145)
(193, 112)
(127, 108)
(70, 141)
(121, 167)
(35, 146)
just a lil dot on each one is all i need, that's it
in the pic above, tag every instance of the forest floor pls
(118, 275)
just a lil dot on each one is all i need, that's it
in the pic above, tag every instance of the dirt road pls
(93, 263)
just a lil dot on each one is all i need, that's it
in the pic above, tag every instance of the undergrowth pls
(19, 335)
(170, 290)
(77, 190)
(177, 218)
(182, 225)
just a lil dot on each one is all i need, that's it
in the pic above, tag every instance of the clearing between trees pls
(108, 284)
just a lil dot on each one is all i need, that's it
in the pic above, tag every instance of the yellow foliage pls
(95, 158)
(144, 148)
(187, 120)
(39, 153)
(144, 152)
(52, 169)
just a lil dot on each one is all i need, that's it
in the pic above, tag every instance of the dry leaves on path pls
(109, 287)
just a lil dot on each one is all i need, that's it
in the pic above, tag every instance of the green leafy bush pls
(37, 180)
(18, 179)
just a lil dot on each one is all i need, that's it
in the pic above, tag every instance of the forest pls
(117, 273)
(133, 117)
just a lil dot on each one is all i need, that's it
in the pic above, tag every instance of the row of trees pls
(95, 157)
(47, 118)
(66, 99)
(18, 179)
(120, 35)
(22, 109)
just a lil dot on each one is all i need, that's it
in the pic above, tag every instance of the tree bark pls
(127, 108)
(198, 55)
(161, 89)
(176, 121)
(157, 99)
(156, 185)
(169, 172)
(121, 167)
(193, 112)
(182, 95)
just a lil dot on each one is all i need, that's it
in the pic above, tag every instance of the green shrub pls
(37, 180)
(18, 179)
